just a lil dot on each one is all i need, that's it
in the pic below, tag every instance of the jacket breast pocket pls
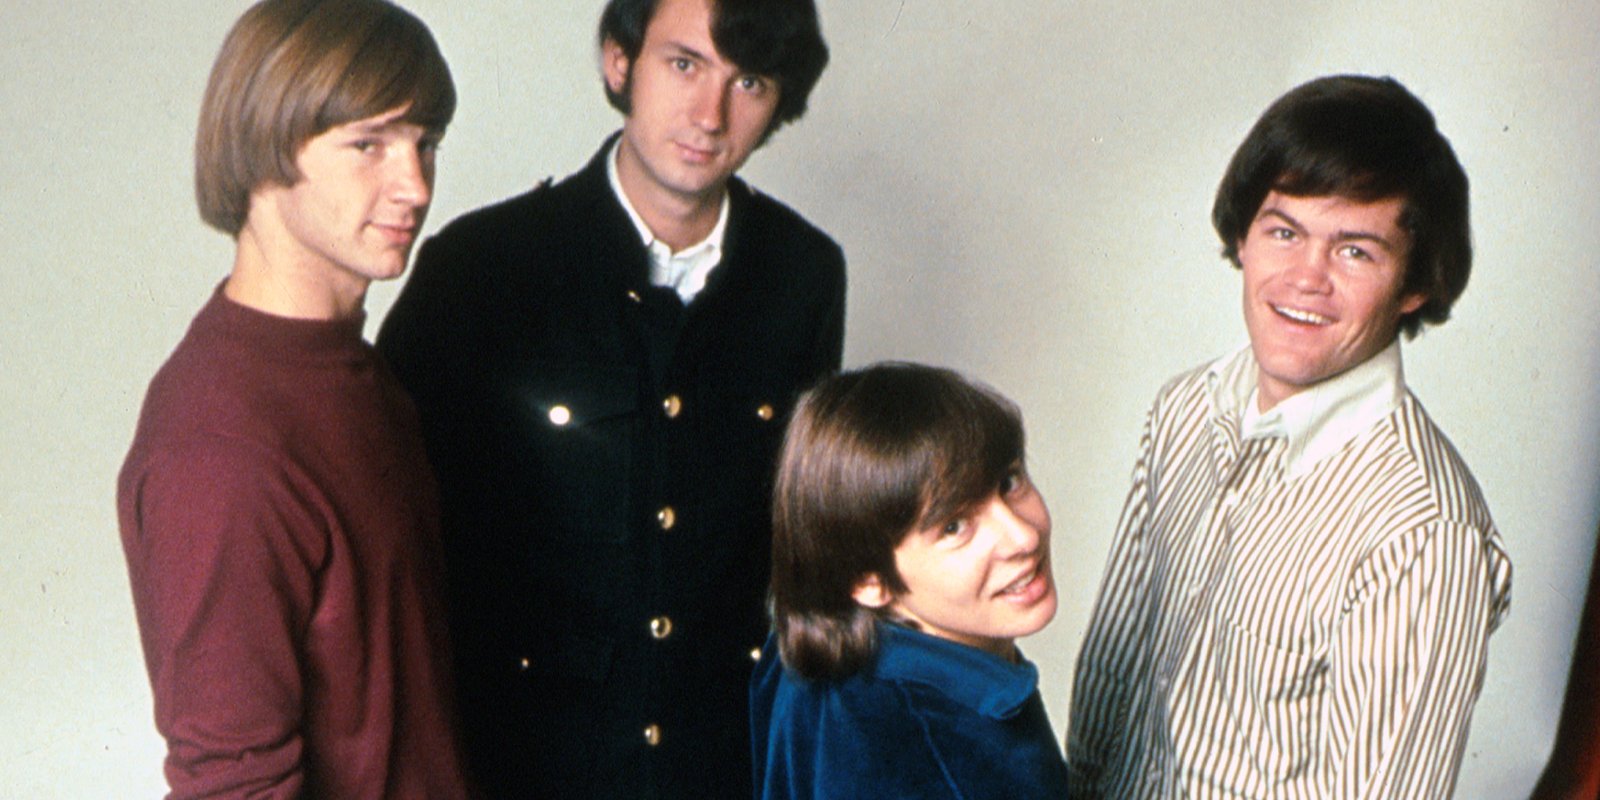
(740, 433)
(573, 435)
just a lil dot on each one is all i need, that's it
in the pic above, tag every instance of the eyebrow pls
(1341, 236)
(681, 49)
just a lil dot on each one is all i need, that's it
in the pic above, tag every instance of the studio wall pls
(1022, 189)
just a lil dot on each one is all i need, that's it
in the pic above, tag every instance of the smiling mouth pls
(1023, 584)
(1301, 316)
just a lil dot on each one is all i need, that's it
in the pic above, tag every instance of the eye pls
(682, 64)
(1353, 252)
(1281, 234)
(365, 145)
(429, 144)
(1015, 482)
(752, 84)
(954, 527)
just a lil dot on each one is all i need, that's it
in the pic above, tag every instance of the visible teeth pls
(1016, 586)
(1302, 316)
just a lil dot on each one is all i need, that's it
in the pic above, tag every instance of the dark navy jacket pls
(930, 719)
(605, 458)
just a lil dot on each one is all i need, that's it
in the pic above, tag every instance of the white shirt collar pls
(1315, 421)
(685, 271)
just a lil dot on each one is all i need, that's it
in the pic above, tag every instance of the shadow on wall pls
(1573, 772)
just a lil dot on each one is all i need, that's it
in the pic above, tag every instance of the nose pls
(710, 112)
(411, 177)
(1022, 525)
(1309, 272)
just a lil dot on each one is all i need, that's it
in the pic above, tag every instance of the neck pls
(1265, 400)
(680, 219)
(276, 280)
(1004, 648)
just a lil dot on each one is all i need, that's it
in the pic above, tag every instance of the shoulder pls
(1437, 463)
(757, 216)
(208, 393)
(859, 706)
(1185, 387)
(1408, 481)
(539, 218)
(852, 737)
(1421, 502)
(1010, 756)
(219, 419)
(1182, 403)
(983, 722)
(210, 419)
(516, 217)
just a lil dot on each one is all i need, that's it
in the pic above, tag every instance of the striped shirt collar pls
(1315, 422)
(686, 270)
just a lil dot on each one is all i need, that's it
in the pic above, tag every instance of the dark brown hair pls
(869, 457)
(781, 39)
(290, 70)
(1363, 139)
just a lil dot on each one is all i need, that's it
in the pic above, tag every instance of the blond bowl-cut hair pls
(290, 70)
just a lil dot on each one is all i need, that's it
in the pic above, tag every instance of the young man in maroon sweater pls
(277, 512)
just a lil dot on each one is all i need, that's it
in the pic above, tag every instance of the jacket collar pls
(983, 682)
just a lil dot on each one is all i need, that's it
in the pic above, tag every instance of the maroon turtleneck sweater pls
(281, 530)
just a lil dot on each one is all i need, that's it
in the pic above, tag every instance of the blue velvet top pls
(930, 718)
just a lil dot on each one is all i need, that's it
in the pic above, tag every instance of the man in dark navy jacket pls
(604, 369)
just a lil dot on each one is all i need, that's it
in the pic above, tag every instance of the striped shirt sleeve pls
(1110, 663)
(1408, 664)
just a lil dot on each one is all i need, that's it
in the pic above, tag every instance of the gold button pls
(634, 296)
(765, 412)
(560, 415)
(525, 664)
(661, 627)
(755, 654)
(671, 406)
(666, 518)
(652, 734)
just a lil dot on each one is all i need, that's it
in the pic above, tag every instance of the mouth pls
(1030, 586)
(397, 234)
(1301, 315)
(696, 155)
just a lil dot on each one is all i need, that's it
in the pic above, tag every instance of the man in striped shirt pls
(1305, 575)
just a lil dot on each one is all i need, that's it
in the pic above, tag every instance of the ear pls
(1412, 302)
(870, 592)
(614, 64)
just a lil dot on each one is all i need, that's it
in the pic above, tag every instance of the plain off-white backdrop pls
(1022, 189)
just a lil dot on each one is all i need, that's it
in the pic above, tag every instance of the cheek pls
(970, 577)
(752, 118)
(949, 579)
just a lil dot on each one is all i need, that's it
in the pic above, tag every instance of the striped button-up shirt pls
(1297, 604)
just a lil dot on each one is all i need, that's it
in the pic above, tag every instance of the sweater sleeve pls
(222, 550)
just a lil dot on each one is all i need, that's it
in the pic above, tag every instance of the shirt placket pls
(1243, 470)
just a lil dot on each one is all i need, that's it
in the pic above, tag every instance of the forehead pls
(1335, 212)
(680, 18)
